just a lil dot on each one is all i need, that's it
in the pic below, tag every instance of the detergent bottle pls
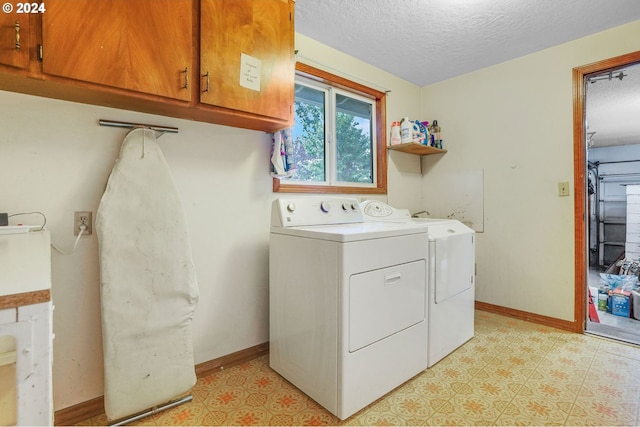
(395, 133)
(406, 130)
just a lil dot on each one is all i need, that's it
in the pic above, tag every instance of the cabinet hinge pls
(40, 52)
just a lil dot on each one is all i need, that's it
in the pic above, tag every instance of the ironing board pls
(148, 282)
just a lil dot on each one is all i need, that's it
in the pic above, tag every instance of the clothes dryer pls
(348, 312)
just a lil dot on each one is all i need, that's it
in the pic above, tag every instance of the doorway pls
(606, 162)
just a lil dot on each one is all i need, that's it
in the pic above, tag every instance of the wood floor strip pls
(565, 325)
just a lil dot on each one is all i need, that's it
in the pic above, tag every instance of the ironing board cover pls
(148, 282)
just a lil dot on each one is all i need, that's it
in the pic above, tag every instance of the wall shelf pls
(415, 148)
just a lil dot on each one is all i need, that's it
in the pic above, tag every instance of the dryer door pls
(451, 254)
(385, 301)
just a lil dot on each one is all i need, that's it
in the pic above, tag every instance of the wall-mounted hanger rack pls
(161, 129)
(608, 76)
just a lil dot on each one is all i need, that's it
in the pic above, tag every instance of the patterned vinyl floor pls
(511, 373)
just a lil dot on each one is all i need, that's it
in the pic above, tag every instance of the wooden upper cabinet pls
(246, 56)
(229, 62)
(139, 45)
(14, 39)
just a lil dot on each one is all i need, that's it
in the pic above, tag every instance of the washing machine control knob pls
(345, 207)
(325, 207)
(291, 207)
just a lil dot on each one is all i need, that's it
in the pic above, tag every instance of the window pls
(339, 136)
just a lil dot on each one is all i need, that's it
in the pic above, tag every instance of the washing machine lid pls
(448, 228)
(350, 232)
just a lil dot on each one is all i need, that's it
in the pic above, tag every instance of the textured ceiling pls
(426, 41)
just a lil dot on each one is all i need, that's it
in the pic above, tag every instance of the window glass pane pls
(309, 134)
(354, 140)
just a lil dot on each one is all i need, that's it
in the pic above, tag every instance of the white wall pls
(514, 122)
(56, 159)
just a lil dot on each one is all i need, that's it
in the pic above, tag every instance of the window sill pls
(279, 187)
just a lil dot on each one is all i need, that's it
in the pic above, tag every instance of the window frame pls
(283, 186)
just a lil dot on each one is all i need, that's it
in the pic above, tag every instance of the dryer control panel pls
(301, 211)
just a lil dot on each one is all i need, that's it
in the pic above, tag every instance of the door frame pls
(579, 177)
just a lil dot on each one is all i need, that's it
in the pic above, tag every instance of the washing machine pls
(451, 284)
(348, 312)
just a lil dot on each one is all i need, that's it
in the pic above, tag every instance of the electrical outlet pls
(82, 218)
(563, 189)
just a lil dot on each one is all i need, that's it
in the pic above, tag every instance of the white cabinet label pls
(250, 71)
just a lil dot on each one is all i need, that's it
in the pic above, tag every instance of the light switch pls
(563, 189)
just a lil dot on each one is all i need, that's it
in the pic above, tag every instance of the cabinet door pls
(14, 39)
(247, 56)
(140, 45)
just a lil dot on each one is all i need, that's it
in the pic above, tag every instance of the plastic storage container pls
(621, 303)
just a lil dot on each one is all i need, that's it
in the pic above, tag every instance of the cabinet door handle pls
(17, 27)
(206, 87)
(186, 78)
